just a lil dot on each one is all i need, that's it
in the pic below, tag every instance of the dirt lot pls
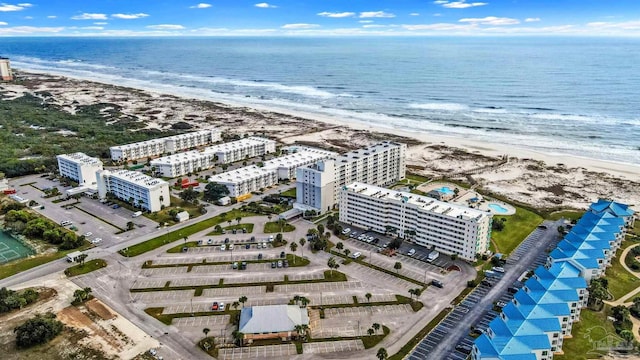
(91, 332)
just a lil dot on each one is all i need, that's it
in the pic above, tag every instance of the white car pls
(221, 306)
(230, 246)
(270, 238)
(370, 239)
(346, 231)
(356, 255)
(264, 245)
(96, 241)
(87, 234)
(411, 252)
(223, 247)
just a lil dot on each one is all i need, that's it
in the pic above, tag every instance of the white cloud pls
(439, 27)
(8, 7)
(2, 23)
(365, 21)
(166, 27)
(531, 19)
(93, 28)
(89, 16)
(300, 26)
(376, 14)
(374, 26)
(51, 17)
(28, 17)
(200, 6)
(437, 14)
(414, 14)
(462, 4)
(129, 16)
(265, 6)
(625, 25)
(491, 20)
(27, 30)
(100, 23)
(336, 15)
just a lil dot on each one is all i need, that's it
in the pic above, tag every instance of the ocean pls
(578, 96)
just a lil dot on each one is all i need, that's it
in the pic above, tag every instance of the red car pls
(214, 306)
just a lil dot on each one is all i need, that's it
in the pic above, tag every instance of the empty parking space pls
(299, 277)
(210, 269)
(237, 291)
(384, 277)
(331, 299)
(368, 310)
(268, 301)
(258, 352)
(317, 287)
(217, 321)
(143, 284)
(377, 298)
(253, 279)
(160, 296)
(187, 308)
(196, 281)
(332, 346)
(164, 271)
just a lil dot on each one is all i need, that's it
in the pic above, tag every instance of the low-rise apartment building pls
(141, 190)
(79, 167)
(246, 180)
(287, 165)
(318, 185)
(242, 149)
(169, 144)
(448, 228)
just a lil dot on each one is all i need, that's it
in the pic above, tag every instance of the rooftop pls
(272, 318)
(370, 150)
(81, 158)
(135, 177)
(424, 202)
(241, 174)
(299, 158)
(238, 144)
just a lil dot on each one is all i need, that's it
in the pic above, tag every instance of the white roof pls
(80, 158)
(301, 157)
(135, 177)
(424, 202)
(272, 318)
(241, 174)
(238, 144)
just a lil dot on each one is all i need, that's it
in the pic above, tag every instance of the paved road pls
(445, 346)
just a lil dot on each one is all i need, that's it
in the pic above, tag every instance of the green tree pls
(214, 191)
(239, 337)
(130, 225)
(238, 219)
(37, 330)
(293, 246)
(320, 228)
(368, 296)
(235, 305)
(302, 242)
(243, 299)
(206, 331)
(376, 327)
(332, 264)
(397, 266)
(370, 331)
(340, 245)
(382, 354)
(627, 336)
(347, 252)
(189, 195)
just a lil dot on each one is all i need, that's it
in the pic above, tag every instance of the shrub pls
(38, 330)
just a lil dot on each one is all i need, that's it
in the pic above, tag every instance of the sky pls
(319, 17)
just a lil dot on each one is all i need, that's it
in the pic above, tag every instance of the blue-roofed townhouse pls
(590, 262)
(614, 208)
(566, 281)
(611, 233)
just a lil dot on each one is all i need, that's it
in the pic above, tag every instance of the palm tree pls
(382, 354)
(235, 305)
(131, 200)
(238, 219)
(206, 331)
(340, 245)
(81, 258)
(87, 292)
(368, 296)
(238, 336)
(417, 292)
(302, 242)
(347, 252)
(376, 327)
(411, 292)
(130, 225)
(370, 331)
(332, 264)
(320, 228)
(185, 239)
(140, 202)
(298, 329)
(296, 298)
(282, 223)
(78, 295)
(397, 266)
(304, 301)
(293, 246)
(243, 299)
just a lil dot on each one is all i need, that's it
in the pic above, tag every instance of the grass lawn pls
(516, 229)
(163, 216)
(248, 227)
(156, 242)
(21, 265)
(620, 280)
(291, 193)
(416, 178)
(579, 347)
(85, 268)
(567, 214)
(274, 227)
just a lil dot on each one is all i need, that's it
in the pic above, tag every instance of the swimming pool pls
(445, 190)
(497, 208)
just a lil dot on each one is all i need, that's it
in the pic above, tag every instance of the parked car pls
(512, 290)
(210, 241)
(353, 234)
(273, 264)
(115, 206)
(88, 233)
(356, 255)
(231, 246)
(226, 240)
(258, 246)
(285, 263)
(346, 231)
(437, 283)
(214, 306)
(270, 238)
(264, 245)
(223, 247)
(253, 239)
(411, 252)
(498, 269)
(486, 283)
(282, 255)
(234, 266)
(248, 246)
(96, 241)
(243, 265)
(221, 306)
(279, 263)
(260, 256)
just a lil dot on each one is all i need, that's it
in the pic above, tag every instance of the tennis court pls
(11, 249)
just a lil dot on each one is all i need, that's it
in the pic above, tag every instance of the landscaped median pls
(85, 268)
(329, 276)
(294, 261)
(400, 300)
(180, 234)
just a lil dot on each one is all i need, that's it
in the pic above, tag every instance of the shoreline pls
(532, 177)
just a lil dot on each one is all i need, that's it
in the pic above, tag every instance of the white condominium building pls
(134, 187)
(318, 185)
(246, 180)
(155, 147)
(5, 70)
(79, 167)
(193, 161)
(287, 165)
(450, 228)
(242, 149)
(183, 163)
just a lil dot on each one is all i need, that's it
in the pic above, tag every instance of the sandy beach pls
(538, 179)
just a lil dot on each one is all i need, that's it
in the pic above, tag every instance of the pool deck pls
(465, 195)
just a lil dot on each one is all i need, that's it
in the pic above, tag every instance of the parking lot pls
(258, 352)
(332, 346)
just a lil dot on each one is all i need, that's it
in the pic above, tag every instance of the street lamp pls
(191, 306)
